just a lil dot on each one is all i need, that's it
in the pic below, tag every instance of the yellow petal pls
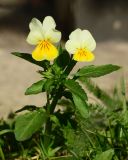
(37, 54)
(51, 53)
(45, 50)
(82, 55)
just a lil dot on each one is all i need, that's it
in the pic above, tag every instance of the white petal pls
(53, 36)
(71, 46)
(34, 37)
(48, 23)
(36, 25)
(87, 40)
(75, 35)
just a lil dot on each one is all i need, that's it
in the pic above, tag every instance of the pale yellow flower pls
(45, 36)
(81, 44)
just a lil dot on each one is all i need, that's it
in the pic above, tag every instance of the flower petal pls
(36, 32)
(87, 40)
(36, 25)
(53, 36)
(75, 35)
(45, 50)
(38, 54)
(71, 46)
(48, 23)
(83, 55)
(34, 37)
(51, 53)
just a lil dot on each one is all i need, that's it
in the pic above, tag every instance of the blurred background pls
(107, 20)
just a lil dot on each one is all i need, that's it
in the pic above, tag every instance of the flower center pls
(45, 45)
(82, 52)
(45, 51)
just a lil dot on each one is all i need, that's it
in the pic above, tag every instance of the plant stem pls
(59, 93)
(51, 107)
(56, 98)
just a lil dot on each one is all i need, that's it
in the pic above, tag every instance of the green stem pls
(59, 93)
(2, 154)
(47, 131)
(51, 107)
(56, 98)
(50, 110)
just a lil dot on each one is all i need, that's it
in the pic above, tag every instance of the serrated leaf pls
(96, 71)
(107, 155)
(28, 57)
(81, 106)
(75, 88)
(36, 88)
(26, 125)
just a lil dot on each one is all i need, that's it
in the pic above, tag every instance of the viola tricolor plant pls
(57, 131)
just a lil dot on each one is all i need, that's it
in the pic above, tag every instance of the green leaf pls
(75, 88)
(67, 94)
(28, 57)
(48, 86)
(63, 59)
(81, 106)
(124, 119)
(5, 131)
(28, 108)
(96, 71)
(36, 88)
(26, 125)
(107, 155)
(67, 157)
